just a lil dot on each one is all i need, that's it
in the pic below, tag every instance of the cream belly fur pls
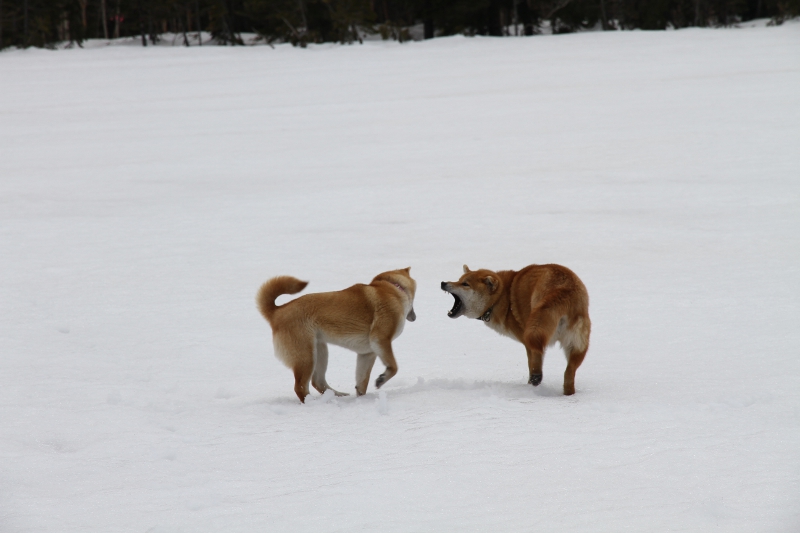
(362, 318)
(537, 306)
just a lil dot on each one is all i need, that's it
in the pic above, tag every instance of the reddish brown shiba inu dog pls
(537, 306)
(362, 318)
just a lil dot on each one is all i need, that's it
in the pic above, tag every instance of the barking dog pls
(362, 318)
(537, 306)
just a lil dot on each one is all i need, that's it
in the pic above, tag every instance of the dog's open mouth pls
(456, 310)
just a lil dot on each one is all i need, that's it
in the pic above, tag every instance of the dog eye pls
(465, 284)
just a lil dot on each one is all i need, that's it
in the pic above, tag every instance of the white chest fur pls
(399, 329)
(499, 328)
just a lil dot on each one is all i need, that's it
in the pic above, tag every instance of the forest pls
(45, 23)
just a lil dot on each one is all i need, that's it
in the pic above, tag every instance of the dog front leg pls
(538, 331)
(363, 369)
(383, 349)
(535, 358)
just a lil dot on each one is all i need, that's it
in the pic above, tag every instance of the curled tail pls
(274, 288)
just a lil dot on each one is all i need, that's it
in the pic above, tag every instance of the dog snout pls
(444, 285)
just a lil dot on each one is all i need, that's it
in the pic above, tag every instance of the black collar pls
(486, 316)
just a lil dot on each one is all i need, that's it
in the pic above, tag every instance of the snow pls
(147, 193)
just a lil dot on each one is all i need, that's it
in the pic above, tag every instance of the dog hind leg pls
(574, 360)
(320, 368)
(297, 352)
(575, 344)
(363, 369)
(302, 375)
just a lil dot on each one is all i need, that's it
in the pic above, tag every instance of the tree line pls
(44, 23)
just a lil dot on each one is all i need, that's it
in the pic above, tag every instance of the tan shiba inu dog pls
(362, 318)
(537, 306)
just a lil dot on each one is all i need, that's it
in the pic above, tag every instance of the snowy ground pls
(146, 193)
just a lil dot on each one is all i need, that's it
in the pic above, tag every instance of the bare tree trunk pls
(150, 28)
(116, 22)
(104, 14)
(141, 26)
(385, 12)
(525, 17)
(428, 20)
(495, 25)
(199, 28)
(25, 8)
(303, 16)
(183, 29)
(83, 4)
(603, 14)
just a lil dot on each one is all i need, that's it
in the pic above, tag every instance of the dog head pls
(475, 292)
(402, 280)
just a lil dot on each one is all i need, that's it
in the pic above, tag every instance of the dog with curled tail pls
(362, 318)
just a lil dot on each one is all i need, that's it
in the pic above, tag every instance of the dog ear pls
(491, 282)
(466, 269)
(407, 269)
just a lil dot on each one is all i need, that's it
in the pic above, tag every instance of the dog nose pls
(444, 285)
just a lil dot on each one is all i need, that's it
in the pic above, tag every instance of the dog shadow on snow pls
(456, 388)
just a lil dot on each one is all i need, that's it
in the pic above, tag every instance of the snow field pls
(146, 193)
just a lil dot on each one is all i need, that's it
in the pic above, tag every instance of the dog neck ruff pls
(486, 316)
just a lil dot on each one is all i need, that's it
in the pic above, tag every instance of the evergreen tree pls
(300, 22)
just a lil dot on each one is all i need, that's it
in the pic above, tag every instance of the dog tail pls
(273, 288)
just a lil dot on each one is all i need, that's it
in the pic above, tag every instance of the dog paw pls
(535, 379)
(380, 381)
